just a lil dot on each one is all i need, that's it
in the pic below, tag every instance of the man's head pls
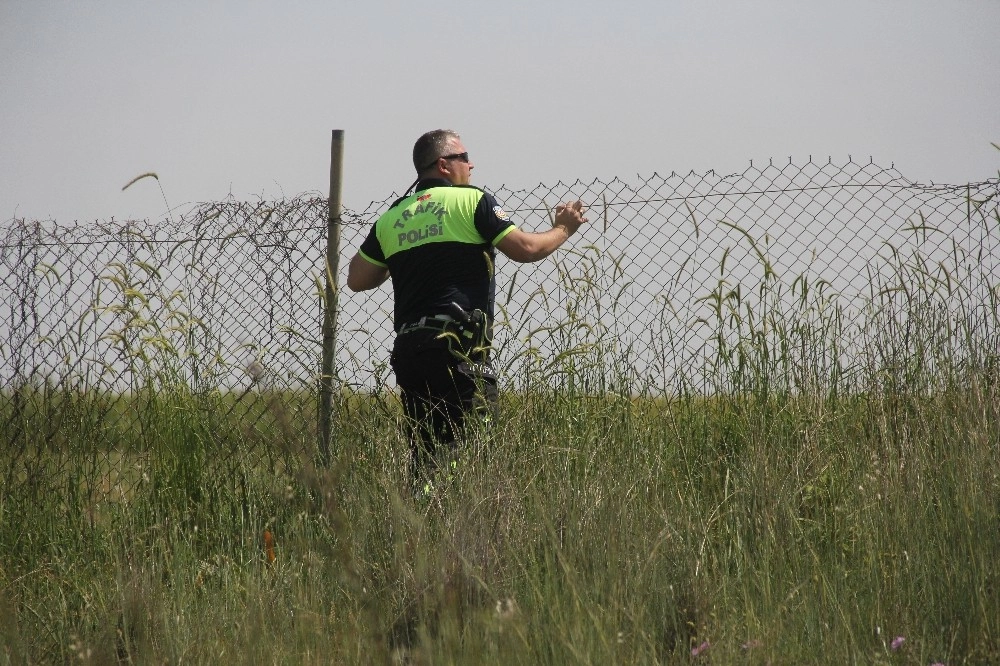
(440, 154)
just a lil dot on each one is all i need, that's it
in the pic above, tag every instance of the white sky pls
(240, 97)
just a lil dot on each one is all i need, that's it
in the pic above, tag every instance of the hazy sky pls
(240, 97)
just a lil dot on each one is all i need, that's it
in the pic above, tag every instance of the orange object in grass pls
(269, 547)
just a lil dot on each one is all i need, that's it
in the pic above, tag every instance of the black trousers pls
(442, 388)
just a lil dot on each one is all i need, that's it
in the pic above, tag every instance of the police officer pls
(438, 245)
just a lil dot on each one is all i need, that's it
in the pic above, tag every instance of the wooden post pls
(330, 297)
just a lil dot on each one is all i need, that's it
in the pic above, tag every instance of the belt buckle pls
(437, 322)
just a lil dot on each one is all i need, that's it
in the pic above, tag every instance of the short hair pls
(430, 146)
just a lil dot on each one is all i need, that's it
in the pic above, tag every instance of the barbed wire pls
(354, 218)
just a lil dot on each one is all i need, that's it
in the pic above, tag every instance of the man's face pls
(454, 169)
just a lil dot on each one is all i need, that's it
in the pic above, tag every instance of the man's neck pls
(432, 181)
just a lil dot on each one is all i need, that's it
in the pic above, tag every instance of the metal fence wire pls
(680, 284)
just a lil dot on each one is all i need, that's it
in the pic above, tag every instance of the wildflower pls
(506, 609)
(751, 644)
(897, 642)
(83, 652)
(269, 547)
(700, 649)
(255, 369)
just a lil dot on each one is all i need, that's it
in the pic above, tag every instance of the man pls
(438, 245)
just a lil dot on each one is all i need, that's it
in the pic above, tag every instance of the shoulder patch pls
(500, 213)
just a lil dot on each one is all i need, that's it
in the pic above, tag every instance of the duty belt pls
(438, 322)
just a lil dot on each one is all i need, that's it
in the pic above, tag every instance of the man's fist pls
(569, 216)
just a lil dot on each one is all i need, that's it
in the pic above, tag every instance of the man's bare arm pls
(363, 275)
(524, 247)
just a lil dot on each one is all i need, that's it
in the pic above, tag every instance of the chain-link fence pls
(679, 284)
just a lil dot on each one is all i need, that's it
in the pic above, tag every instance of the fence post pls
(330, 297)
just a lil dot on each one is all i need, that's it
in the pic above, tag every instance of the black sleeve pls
(492, 221)
(371, 249)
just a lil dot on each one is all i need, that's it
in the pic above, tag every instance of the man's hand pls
(569, 216)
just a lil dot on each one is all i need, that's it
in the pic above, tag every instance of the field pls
(744, 529)
(798, 510)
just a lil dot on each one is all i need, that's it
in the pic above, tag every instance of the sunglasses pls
(464, 157)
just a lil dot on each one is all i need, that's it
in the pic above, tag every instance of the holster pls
(470, 337)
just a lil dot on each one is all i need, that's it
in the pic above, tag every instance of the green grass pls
(807, 510)
(588, 531)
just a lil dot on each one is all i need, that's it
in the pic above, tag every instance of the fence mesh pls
(679, 284)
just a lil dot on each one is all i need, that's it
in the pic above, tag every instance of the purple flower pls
(701, 648)
(897, 642)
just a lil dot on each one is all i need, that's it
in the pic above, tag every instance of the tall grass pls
(808, 510)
